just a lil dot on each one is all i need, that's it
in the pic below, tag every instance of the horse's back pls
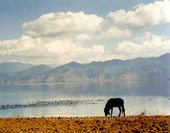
(116, 102)
(116, 99)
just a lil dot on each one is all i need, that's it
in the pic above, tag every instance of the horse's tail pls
(123, 109)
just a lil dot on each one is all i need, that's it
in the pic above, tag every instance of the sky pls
(56, 32)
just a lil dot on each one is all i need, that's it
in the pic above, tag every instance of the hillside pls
(135, 69)
(31, 74)
(11, 67)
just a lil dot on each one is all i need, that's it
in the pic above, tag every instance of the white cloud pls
(8, 47)
(147, 46)
(81, 26)
(143, 16)
(113, 32)
(49, 51)
(124, 23)
(55, 51)
(63, 25)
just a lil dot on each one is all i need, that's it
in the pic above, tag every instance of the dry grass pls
(127, 124)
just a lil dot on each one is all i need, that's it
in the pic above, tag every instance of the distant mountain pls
(3, 78)
(11, 67)
(135, 69)
(139, 68)
(31, 75)
(73, 64)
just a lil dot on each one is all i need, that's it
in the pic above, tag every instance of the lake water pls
(84, 98)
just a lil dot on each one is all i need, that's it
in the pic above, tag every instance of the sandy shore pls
(126, 124)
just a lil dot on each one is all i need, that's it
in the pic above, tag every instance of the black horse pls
(114, 102)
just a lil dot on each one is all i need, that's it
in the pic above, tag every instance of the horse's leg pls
(111, 111)
(119, 110)
(123, 110)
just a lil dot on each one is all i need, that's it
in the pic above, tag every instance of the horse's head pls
(106, 111)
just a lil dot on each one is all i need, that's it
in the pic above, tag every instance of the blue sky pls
(55, 32)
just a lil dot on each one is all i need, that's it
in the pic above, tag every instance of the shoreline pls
(82, 81)
(155, 123)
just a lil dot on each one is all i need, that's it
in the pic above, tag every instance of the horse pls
(114, 102)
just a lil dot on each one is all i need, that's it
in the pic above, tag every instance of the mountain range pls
(134, 69)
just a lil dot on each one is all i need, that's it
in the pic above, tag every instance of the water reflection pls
(19, 94)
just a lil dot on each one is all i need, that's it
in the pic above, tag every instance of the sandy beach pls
(135, 124)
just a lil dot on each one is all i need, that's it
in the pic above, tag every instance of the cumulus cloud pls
(44, 51)
(8, 47)
(49, 51)
(146, 46)
(81, 26)
(124, 23)
(113, 32)
(63, 25)
(143, 16)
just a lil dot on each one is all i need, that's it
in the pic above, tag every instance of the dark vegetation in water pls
(48, 103)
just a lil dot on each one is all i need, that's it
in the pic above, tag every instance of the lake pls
(84, 98)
